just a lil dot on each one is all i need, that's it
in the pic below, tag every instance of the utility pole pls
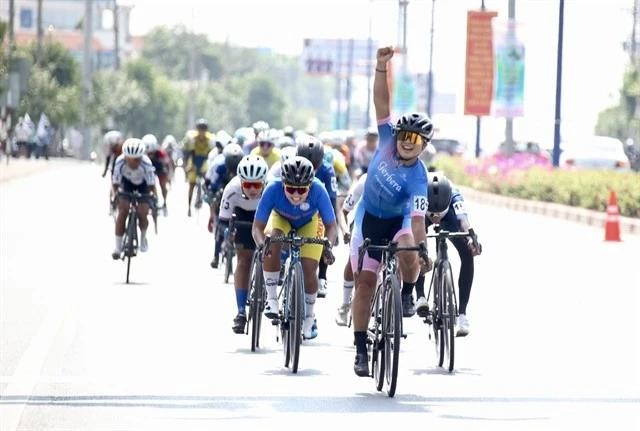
(87, 25)
(508, 130)
(116, 36)
(192, 75)
(348, 89)
(556, 125)
(430, 76)
(339, 85)
(403, 36)
(367, 119)
(40, 33)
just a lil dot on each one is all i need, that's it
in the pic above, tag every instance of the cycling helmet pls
(271, 136)
(371, 132)
(288, 131)
(222, 138)
(286, 153)
(169, 142)
(285, 142)
(260, 126)
(438, 193)
(312, 149)
(297, 171)
(112, 137)
(150, 142)
(417, 122)
(202, 124)
(232, 155)
(133, 148)
(253, 168)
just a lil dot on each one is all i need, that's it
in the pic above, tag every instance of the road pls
(554, 343)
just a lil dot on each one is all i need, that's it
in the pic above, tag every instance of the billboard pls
(509, 72)
(330, 56)
(478, 88)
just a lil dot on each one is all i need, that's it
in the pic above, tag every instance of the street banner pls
(331, 56)
(509, 73)
(478, 88)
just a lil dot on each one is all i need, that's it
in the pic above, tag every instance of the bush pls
(585, 189)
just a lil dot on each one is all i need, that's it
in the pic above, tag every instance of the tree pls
(45, 95)
(265, 101)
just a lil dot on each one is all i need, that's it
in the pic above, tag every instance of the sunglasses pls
(252, 185)
(412, 137)
(296, 189)
(266, 144)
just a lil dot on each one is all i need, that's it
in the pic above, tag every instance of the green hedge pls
(586, 189)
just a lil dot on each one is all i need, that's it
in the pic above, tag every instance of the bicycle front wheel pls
(377, 345)
(438, 310)
(392, 329)
(296, 316)
(449, 317)
(256, 301)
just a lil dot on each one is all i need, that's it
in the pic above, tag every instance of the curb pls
(580, 215)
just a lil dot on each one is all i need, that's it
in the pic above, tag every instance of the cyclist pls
(295, 201)
(276, 169)
(133, 171)
(112, 144)
(240, 197)
(266, 141)
(355, 192)
(196, 146)
(392, 206)
(311, 148)
(222, 170)
(161, 164)
(170, 147)
(446, 208)
(365, 150)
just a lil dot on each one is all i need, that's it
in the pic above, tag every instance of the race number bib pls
(459, 208)
(420, 204)
(334, 184)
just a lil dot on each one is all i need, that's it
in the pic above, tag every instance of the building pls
(62, 22)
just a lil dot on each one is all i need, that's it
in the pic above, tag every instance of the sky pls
(593, 55)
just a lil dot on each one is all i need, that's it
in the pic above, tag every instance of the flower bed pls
(527, 178)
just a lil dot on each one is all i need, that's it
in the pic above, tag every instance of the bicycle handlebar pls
(444, 234)
(391, 247)
(296, 241)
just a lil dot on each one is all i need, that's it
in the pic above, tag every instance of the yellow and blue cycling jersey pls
(274, 199)
(197, 148)
(273, 157)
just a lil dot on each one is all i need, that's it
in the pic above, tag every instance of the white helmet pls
(150, 142)
(232, 150)
(260, 126)
(287, 152)
(253, 168)
(133, 147)
(112, 137)
(169, 142)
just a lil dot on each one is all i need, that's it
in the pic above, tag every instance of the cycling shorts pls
(313, 229)
(244, 239)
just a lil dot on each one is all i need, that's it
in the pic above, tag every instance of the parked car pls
(594, 152)
(452, 147)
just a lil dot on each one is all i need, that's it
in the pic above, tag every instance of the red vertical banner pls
(478, 86)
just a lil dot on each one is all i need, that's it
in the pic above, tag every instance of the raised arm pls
(381, 98)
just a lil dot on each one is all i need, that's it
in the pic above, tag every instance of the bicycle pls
(130, 238)
(257, 298)
(228, 246)
(444, 309)
(386, 309)
(291, 313)
(199, 193)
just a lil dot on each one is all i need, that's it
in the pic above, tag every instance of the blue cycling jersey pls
(393, 189)
(274, 199)
(327, 176)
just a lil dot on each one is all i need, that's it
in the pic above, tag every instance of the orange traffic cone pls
(612, 225)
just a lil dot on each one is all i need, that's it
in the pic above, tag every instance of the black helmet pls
(232, 155)
(202, 124)
(438, 192)
(311, 149)
(297, 171)
(417, 122)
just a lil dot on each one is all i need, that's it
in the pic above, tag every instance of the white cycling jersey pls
(354, 194)
(232, 197)
(275, 172)
(144, 173)
(212, 172)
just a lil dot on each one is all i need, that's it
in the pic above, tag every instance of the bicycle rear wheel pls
(131, 240)
(449, 317)
(228, 262)
(297, 315)
(256, 304)
(438, 310)
(392, 328)
(377, 345)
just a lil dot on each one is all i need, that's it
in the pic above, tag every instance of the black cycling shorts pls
(244, 239)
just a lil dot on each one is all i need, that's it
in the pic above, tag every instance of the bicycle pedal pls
(404, 336)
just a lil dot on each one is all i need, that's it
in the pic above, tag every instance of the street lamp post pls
(430, 77)
(556, 127)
